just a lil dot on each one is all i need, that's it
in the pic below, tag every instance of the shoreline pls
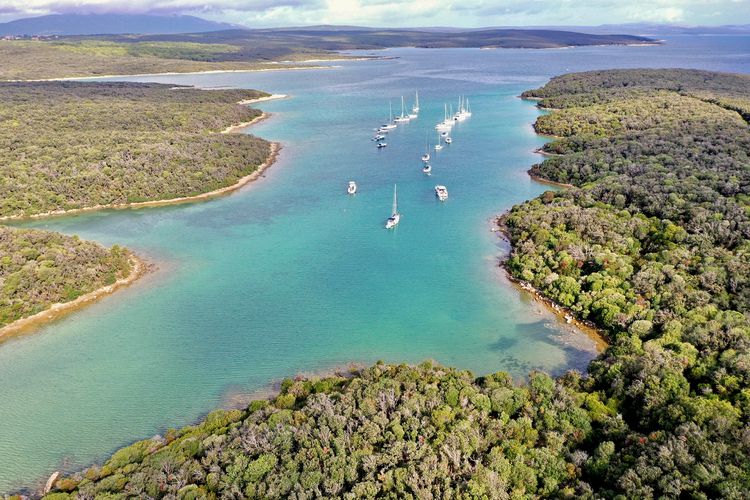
(58, 310)
(168, 73)
(562, 312)
(263, 99)
(274, 151)
(241, 126)
(542, 180)
(587, 327)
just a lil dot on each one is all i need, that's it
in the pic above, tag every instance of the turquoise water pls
(290, 275)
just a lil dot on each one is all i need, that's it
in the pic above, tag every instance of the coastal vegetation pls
(69, 145)
(651, 245)
(239, 49)
(41, 268)
(73, 145)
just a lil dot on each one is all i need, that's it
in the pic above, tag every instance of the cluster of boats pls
(443, 128)
(450, 119)
(392, 122)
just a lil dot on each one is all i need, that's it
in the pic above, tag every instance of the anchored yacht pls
(395, 217)
(352, 187)
(403, 117)
(390, 125)
(441, 192)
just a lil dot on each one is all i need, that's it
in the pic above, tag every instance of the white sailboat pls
(447, 122)
(463, 111)
(426, 155)
(390, 125)
(395, 217)
(438, 146)
(352, 189)
(403, 117)
(427, 168)
(448, 140)
(415, 108)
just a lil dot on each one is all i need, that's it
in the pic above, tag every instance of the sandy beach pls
(55, 311)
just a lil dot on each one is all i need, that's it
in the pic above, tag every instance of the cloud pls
(409, 12)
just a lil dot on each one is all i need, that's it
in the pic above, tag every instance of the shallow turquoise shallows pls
(290, 275)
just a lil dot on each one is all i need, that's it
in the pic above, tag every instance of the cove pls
(290, 275)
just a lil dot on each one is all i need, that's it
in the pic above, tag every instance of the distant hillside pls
(245, 49)
(104, 24)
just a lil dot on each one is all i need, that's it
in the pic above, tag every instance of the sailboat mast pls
(395, 200)
(390, 111)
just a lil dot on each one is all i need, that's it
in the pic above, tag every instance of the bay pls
(290, 275)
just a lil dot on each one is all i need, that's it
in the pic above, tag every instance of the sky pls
(402, 13)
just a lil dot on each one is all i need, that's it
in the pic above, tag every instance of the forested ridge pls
(69, 145)
(41, 268)
(651, 246)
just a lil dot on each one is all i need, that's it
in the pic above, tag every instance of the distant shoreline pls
(169, 73)
(60, 309)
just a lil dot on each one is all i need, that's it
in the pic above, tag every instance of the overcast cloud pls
(469, 13)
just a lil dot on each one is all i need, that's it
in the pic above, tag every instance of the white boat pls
(448, 140)
(415, 108)
(426, 155)
(395, 217)
(378, 137)
(382, 145)
(352, 187)
(441, 192)
(447, 122)
(438, 146)
(463, 110)
(390, 125)
(427, 168)
(403, 117)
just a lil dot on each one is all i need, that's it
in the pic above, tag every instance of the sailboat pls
(427, 168)
(352, 189)
(415, 109)
(426, 155)
(447, 122)
(463, 111)
(403, 117)
(390, 125)
(438, 146)
(395, 217)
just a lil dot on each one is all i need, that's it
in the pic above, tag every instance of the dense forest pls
(41, 268)
(651, 246)
(244, 49)
(69, 145)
